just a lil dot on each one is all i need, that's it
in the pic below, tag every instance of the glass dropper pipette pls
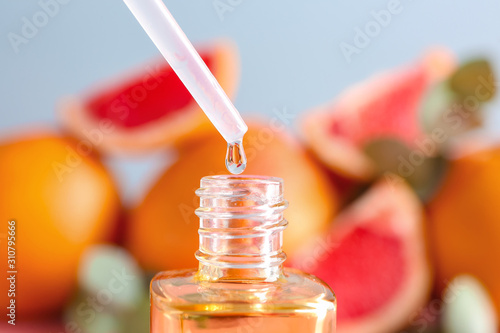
(173, 44)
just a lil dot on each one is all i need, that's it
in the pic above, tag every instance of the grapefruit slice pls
(374, 259)
(384, 106)
(148, 107)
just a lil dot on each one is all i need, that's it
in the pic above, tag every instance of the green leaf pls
(468, 307)
(474, 79)
(137, 321)
(444, 111)
(436, 103)
(113, 274)
(421, 169)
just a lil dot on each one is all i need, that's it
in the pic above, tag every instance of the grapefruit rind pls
(399, 209)
(369, 110)
(167, 130)
(350, 163)
(400, 201)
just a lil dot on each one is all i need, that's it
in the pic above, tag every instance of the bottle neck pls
(241, 228)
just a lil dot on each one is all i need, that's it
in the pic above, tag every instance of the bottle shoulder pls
(294, 289)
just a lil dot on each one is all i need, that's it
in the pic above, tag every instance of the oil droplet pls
(236, 160)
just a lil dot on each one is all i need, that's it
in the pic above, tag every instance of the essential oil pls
(241, 284)
(236, 160)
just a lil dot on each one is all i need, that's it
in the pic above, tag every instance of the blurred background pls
(290, 53)
(71, 181)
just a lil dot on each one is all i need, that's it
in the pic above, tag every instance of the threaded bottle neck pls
(241, 228)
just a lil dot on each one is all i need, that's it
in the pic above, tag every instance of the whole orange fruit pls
(465, 221)
(60, 199)
(163, 228)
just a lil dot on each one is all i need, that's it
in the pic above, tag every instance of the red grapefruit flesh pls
(374, 259)
(384, 106)
(147, 108)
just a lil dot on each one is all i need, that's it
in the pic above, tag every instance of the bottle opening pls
(241, 227)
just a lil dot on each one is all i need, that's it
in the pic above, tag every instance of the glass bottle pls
(241, 285)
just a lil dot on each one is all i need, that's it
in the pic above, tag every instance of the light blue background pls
(289, 50)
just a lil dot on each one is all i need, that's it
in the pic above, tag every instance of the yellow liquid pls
(236, 160)
(238, 321)
(300, 306)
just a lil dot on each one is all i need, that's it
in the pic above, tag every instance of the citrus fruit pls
(148, 107)
(374, 258)
(464, 221)
(55, 200)
(383, 107)
(163, 228)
